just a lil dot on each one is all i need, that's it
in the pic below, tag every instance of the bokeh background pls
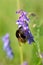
(8, 19)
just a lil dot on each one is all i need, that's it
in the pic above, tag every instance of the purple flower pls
(23, 22)
(23, 19)
(9, 52)
(6, 46)
(18, 11)
(24, 63)
(6, 41)
(23, 15)
(29, 36)
(21, 12)
(5, 38)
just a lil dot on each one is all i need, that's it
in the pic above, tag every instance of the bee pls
(20, 34)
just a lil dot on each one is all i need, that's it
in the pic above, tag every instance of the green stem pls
(18, 4)
(21, 53)
(38, 47)
(37, 42)
(20, 45)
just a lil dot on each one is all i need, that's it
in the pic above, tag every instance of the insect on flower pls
(23, 33)
(20, 34)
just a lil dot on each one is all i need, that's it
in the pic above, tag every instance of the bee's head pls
(17, 34)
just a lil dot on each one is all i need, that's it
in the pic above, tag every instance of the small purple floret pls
(23, 15)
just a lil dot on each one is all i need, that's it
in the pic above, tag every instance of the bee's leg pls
(19, 42)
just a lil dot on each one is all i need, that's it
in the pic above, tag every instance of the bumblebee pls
(20, 34)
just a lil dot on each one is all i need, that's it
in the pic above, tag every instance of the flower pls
(23, 19)
(23, 16)
(6, 41)
(21, 12)
(29, 36)
(23, 22)
(24, 63)
(6, 46)
(9, 52)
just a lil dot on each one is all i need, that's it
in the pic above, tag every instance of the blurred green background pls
(8, 19)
